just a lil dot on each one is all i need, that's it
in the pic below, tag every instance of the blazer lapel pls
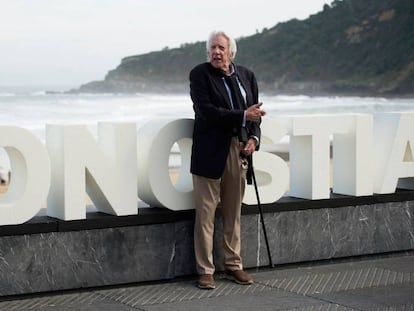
(223, 91)
(218, 82)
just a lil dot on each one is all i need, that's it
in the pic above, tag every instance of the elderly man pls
(226, 133)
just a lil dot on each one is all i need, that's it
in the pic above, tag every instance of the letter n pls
(106, 170)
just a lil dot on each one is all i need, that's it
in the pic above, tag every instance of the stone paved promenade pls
(369, 283)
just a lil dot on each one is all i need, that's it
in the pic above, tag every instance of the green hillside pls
(349, 47)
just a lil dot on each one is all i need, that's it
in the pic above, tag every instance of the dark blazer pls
(214, 118)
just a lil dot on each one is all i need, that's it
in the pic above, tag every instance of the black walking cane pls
(260, 211)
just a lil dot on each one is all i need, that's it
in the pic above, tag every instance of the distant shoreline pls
(313, 89)
(119, 88)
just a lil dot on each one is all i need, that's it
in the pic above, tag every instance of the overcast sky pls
(71, 42)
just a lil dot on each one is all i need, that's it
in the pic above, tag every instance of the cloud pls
(73, 42)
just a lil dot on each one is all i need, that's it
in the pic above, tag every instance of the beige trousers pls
(229, 189)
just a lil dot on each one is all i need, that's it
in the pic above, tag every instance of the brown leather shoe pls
(206, 281)
(239, 276)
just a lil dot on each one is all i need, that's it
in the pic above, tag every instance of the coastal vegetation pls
(350, 47)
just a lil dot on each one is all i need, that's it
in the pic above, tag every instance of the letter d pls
(30, 179)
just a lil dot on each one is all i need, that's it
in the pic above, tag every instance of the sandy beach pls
(3, 188)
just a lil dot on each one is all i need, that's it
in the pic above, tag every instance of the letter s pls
(271, 171)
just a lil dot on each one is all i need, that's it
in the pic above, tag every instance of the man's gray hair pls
(232, 42)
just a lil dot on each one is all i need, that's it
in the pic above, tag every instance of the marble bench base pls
(46, 254)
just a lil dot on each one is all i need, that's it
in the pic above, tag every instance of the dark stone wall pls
(46, 254)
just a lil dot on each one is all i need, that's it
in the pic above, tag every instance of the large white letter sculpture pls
(155, 140)
(271, 171)
(310, 154)
(353, 157)
(394, 150)
(369, 155)
(108, 170)
(31, 175)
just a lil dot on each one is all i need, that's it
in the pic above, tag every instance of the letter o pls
(155, 140)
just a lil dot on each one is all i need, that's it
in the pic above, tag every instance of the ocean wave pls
(292, 98)
(34, 111)
(38, 93)
(6, 94)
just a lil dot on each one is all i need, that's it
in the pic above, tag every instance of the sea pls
(34, 107)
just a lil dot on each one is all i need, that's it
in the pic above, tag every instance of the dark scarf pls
(238, 101)
(236, 95)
